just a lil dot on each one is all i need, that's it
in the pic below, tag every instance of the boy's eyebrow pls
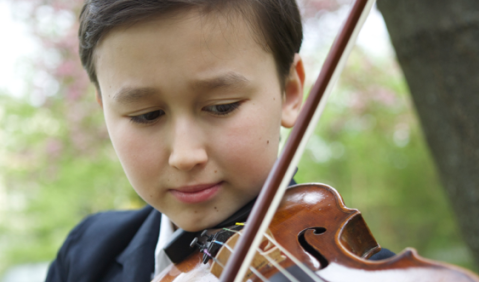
(230, 79)
(130, 94)
(226, 80)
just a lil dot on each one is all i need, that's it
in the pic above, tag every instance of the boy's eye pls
(148, 117)
(222, 109)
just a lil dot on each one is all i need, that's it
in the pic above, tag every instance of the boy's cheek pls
(250, 154)
(138, 157)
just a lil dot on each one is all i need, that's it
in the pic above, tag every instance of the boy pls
(194, 93)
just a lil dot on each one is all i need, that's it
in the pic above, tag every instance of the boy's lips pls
(196, 193)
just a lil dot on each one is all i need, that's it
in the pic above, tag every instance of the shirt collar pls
(166, 231)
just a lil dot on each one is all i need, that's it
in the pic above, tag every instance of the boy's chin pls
(194, 227)
(197, 225)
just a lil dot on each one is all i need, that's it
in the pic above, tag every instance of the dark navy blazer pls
(115, 246)
(109, 246)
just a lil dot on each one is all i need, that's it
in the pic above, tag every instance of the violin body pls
(313, 225)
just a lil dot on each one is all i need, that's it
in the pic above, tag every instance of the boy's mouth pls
(196, 193)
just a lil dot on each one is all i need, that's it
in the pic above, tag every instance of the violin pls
(314, 237)
(305, 233)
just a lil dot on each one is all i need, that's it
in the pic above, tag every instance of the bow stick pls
(283, 170)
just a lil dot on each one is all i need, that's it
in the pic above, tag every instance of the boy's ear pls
(293, 93)
(98, 98)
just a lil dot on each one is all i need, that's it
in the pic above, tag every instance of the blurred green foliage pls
(369, 146)
(51, 181)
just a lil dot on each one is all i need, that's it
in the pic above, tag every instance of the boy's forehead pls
(180, 37)
(211, 27)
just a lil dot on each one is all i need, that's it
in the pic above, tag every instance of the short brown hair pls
(278, 22)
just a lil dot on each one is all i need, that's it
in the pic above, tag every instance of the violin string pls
(303, 267)
(272, 261)
(257, 273)
(229, 248)
(254, 270)
(279, 267)
(218, 262)
(219, 243)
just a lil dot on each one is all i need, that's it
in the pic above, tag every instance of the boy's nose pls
(186, 159)
(187, 151)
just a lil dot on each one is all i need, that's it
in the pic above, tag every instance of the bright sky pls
(18, 46)
(374, 36)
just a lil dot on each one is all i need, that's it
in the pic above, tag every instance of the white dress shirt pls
(166, 231)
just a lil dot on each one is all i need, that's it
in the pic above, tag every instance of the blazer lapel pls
(138, 258)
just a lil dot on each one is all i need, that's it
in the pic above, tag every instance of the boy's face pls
(193, 106)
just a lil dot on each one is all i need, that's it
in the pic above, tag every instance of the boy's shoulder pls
(108, 223)
(108, 245)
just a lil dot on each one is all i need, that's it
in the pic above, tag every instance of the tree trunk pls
(437, 46)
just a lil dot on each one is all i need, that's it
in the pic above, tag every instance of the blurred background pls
(57, 164)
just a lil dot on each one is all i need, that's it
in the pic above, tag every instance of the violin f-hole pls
(323, 262)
